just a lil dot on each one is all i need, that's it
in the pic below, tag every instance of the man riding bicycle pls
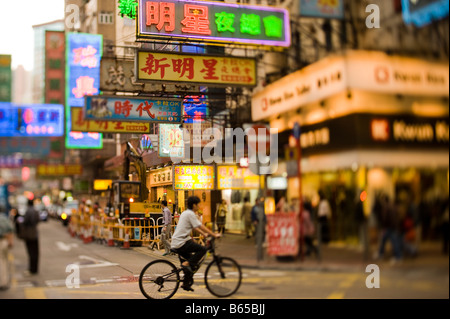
(184, 245)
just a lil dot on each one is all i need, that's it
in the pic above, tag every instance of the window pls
(105, 18)
(54, 63)
(55, 84)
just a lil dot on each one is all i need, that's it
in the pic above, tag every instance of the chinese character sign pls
(81, 125)
(111, 108)
(193, 177)
(230, 71)
(84, 52)
(214, 21)
(283, 234)
(171, 142)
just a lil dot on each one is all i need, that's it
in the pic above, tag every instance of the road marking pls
(34, 293)
(65, 247)
(97, 263)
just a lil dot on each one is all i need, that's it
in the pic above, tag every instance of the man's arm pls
(205, 231)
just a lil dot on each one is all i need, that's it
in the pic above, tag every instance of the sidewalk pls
(335, 257)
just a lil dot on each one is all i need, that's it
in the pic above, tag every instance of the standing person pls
(308, 230)
(166, 231)
(247, 216)
(389, 222)
(324, 215)
(184, 245)
(221, 216)
(6, 243)
(259, 219)
(30, 235)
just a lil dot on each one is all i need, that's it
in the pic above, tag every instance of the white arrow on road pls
(96, 263)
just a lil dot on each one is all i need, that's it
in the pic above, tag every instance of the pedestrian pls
(308, 231)
(324, 216)
(167, 228)
(6, 243)
(247, 217)
(389, 222)
(282, 206)
(31, 237)
(221, 216)
(259, 220)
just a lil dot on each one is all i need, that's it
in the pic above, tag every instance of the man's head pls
(192, 203)
(164, 203)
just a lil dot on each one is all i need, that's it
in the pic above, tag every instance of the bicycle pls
(160, 279)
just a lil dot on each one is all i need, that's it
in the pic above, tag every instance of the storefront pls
(197, 180)
(370, 123)
(236, 183)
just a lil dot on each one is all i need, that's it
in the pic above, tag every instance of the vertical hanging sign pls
(83, 55)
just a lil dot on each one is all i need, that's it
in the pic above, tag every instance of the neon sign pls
(83, 55)
(214, 21)
(31, 120)
(424, 12)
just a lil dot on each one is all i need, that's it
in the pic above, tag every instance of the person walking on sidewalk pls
(30, 235)
(166, 231)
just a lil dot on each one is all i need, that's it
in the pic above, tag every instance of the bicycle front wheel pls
(223, 277)
(159, 279)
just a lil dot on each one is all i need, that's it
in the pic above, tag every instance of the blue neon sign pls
(424, 12)
(31, 120)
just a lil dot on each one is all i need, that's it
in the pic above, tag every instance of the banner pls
(113, 108)
(171, 142)
(199, 69)
(283, 234)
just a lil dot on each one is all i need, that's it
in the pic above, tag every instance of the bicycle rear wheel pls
(159, 279)
(223, 277)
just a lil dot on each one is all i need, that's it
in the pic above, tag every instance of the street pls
(112, 273)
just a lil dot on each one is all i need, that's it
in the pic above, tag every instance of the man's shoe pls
(187, 287)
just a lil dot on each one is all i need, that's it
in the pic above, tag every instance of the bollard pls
(126, 242)
(110, 238)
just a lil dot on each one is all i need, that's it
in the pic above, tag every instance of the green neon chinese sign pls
(128, 8)
(213, 21)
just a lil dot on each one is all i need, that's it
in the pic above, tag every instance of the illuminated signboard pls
(83, 55)
(234, 177)
(195, 108)
(214, 21)
(102, 184)
(31, 120)
(193, 177)
(107, 108)
(423, 12)
(201, 69)
(82, 125)
(171, 143)
(332, 9)
(59, 169)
